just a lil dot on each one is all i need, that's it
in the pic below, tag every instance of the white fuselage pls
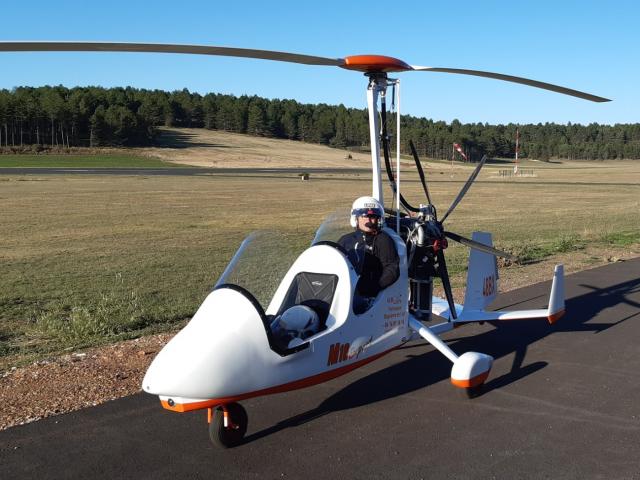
(224, 354)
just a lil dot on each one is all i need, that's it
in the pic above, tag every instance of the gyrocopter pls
(232, 348)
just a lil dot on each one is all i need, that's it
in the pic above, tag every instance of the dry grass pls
(212, 148)
(77, 252)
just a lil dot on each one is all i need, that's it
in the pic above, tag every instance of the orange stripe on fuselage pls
(305, 382)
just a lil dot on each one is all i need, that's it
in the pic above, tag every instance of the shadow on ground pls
(174, 139)
(420, 370)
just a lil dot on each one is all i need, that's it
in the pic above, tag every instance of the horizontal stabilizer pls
(552, 313)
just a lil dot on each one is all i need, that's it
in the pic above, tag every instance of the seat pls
(314, 290)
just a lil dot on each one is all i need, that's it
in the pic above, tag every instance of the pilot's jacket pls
(375, 258)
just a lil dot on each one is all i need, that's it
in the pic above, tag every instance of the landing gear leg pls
(228, 424)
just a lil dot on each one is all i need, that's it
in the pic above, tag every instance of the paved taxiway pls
(336, 174)
(562, 401)
(177, 171)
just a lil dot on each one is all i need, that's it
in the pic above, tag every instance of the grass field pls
(95, 259)
(82, 161)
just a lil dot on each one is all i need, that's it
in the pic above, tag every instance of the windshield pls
(264, 257)
(334, 226)
(260, 263)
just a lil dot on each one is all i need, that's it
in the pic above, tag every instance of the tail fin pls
(482, 276)
(556, 299)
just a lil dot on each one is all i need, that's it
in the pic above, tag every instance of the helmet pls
(364, 206)
(297, 322)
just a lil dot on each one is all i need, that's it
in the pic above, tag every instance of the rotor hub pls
(375, 64)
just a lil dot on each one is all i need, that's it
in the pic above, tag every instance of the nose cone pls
(218, 354)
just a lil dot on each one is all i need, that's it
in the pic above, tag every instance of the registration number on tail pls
(489, 286)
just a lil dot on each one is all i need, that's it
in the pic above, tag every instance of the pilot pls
(371, 251)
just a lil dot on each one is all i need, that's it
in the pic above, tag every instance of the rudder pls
(482, 275)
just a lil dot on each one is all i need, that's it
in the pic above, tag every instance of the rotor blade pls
(479, 246)
(512, 79)
(167, 48)
(271, 55)
(420, 171)
(465, 188)
(446, 284)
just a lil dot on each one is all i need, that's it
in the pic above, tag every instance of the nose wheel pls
(227, 425)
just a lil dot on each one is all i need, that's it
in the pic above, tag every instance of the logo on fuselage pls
(339, 352)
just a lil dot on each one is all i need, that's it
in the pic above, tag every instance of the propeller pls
(465, 187)
(360, 63)
(437, 234)
(479, 246)
(443, 273)
(390, 211)
(454, 236)
(420, 171)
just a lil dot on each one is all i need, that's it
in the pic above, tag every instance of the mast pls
(377, 85)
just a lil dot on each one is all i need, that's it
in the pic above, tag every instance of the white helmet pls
(364, 206)
(297, 322)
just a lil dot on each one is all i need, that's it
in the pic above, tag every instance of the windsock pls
(459, 150)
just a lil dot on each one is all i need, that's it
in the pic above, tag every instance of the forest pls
(37, 119)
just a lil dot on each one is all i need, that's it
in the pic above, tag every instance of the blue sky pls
(586, 45)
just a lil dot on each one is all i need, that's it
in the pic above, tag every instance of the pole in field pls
(453, 155)
(515, 167)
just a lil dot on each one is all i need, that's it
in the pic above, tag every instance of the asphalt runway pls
(262, 173)
(177, 171)
(562, 401)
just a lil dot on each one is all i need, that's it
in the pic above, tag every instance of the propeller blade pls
(512, 79)
(479, 246)
(465, 188)
(420, 171)
(392, 212)
(446, 284)
(167, 48)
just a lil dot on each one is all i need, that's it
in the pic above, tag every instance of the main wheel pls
(232, 435)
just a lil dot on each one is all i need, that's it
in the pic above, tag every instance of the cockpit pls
(320, 277)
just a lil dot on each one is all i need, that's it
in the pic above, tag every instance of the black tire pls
(228, 437)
